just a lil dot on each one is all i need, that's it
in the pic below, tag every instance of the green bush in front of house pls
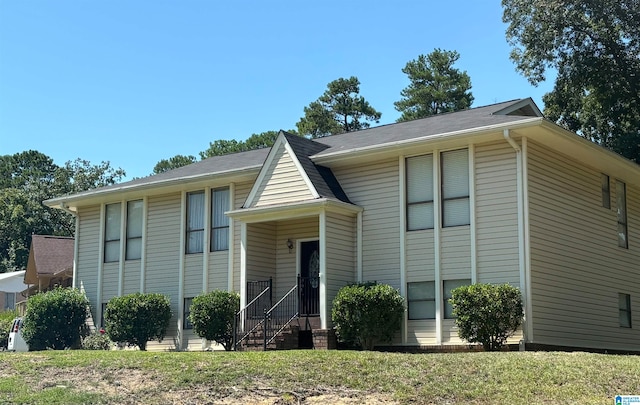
(135, 319)
(366, 314)
(487, 314)
(6, 321)
(54, 319)
(212, 315)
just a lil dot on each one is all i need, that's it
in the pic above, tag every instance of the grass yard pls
(348, 377)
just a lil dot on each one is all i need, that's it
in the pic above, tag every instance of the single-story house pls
(11, 285)
(494, 194)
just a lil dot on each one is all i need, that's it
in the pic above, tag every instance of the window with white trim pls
(421, 300)
(219, 221)
(624, 310)
(606, 191)
(419, 184)
(113, 220)
(134, 230)
(186, 322)
(621, 198)
(455, 188)
(450, 285)
(195, 222)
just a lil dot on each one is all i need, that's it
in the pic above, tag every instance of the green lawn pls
(128, 377)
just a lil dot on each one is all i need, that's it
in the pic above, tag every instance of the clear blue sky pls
(133, 82)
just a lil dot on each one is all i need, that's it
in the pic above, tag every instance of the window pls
(606, 191)
(112, 233)
(455, 188)
(419, 186)
(186, 322)
(195, 222)
(621, 197)
(9, 300)
(450, 285)
(624, 310)
(219, 221)
(421, 300)
(134, 230)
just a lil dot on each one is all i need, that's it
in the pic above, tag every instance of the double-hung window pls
(455, 188)
(419, 179)
(195, 222)
(621, 198)
(624, 310)
(421, 300)
(219, 221)
(450, 285)
(112, 226)
(134, 230)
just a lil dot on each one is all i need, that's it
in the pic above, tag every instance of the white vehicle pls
(16, 341)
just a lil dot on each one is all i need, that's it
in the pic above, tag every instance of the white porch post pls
(243, 264)
(324, 312)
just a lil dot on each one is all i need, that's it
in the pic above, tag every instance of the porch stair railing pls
(251, 317)
(278, 318)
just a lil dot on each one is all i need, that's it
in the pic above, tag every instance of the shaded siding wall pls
(286, 264)
(261, 251)
(284, 183)
(341, 255)
(89, 255)
(163, 257)
(577, 268)
(375, 187)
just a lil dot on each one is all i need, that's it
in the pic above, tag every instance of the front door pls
(309, 282)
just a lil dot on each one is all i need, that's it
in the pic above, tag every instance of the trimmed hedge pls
(366, 314)
(212, 316)
(134, 319)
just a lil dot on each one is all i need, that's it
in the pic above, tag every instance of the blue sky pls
(133, 82)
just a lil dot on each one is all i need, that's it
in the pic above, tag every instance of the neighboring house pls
(494, 194)
(50, 263)
(11, 286)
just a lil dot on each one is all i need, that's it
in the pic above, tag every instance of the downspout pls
(521, 231)
(74, 279)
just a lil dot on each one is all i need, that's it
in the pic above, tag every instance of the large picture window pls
(455, 188)
(421, 300)
(621, 198)
(112, 226)
(195, 222)
(134, 230)
(419, 192)
(219, 221)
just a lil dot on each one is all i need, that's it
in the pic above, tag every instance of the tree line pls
(593, 45)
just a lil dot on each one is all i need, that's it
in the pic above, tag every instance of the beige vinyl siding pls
(242, 191)
(375, 188)
(283, 182)
(163, 256)
(261, 247)
(286, 273)
(341, 253)
(420, 251)
(110, 275)
(88, 259)
(496, 204)
(192, 274)
(131, 277)
(455, 253)
(218, 270)
(421, 332)
(577, 268)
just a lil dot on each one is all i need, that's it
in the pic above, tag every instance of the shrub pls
(54, 319)
(6, 320)
(366, 314)
(96, 341)
(487, 314)
(212, 316)
(135, 319)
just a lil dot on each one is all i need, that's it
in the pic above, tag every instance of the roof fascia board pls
(331, 157)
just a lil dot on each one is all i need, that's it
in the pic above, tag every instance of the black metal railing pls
(249, 318)
(280, 315)
(309, 295)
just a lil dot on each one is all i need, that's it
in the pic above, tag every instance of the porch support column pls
(324, 312)
(243, 264)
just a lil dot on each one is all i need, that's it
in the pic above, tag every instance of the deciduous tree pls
(435, 86)
(594, 46)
